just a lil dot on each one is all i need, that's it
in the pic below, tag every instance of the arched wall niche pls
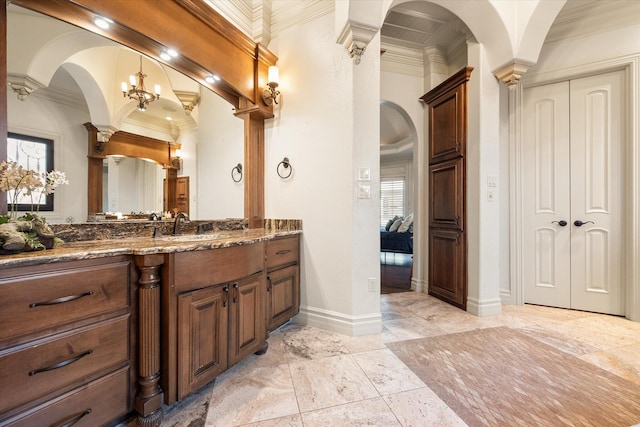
(207, 43)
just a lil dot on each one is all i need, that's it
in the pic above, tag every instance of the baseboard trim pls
(419, 285)
(484, 308)
(366, 324)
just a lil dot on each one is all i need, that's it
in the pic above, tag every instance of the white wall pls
(220, 147)
(327, 124)
(42, 118)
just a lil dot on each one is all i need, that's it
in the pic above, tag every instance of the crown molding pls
(402, 60)
(286, 15)
(239, 12)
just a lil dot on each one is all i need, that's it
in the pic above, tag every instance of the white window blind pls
(391, 199)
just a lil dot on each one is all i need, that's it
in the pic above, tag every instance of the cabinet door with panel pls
(202, 337)
(284, 295)
(246, 321)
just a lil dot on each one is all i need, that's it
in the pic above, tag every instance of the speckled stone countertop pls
(87, 249)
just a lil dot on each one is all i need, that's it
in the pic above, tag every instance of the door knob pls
(579, 223)
(561, 223)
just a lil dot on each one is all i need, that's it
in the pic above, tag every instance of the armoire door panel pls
(446, 187)
(446, 141)
(448, 117)
(447, 262)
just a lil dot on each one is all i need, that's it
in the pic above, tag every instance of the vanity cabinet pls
(215, 311)
(66, 343)
(283, 280)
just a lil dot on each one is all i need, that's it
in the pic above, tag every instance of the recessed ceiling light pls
(165, 56)
(212, 78)
(102, 22)
(172, 53)
(168, 118)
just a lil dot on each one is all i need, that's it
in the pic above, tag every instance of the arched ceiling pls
(417, 24)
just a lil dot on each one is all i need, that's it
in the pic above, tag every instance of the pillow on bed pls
(396, 224)
(404, 227)
(389, 224)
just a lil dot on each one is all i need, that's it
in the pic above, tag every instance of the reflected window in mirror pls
(36, 154)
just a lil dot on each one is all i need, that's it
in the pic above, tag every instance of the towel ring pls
(237, 172)
(286, 164)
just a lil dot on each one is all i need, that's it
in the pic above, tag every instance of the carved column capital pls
(189, 100)
(22, 86)
(104, 133)
(355, 37)
(511, 73)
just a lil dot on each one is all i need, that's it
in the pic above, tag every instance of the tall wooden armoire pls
(447, 189)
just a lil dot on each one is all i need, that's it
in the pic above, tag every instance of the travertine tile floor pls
(311, 377)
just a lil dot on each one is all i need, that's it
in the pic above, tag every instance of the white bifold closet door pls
(573, 194)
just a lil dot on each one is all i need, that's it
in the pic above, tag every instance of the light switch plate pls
(364, 174)
(364, 191)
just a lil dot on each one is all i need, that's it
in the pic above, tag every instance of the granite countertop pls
(141, 246)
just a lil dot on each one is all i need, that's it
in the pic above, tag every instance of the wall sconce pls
(176, 161)
(270, 94)
(236, 173)
(286, 164)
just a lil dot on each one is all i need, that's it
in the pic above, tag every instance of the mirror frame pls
(208, 44)
(134, 146)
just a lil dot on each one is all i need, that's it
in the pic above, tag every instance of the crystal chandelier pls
(138, 92)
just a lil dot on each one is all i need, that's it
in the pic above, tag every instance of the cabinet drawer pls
(33, 302)
(95, 404)
(34, 370)
(282, 251)
(198, 269)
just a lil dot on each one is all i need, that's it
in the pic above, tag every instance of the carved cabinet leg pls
(148, 402)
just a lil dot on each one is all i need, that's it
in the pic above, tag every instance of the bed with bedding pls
(397, 235)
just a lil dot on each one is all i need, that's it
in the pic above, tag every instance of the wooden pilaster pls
(148, 401)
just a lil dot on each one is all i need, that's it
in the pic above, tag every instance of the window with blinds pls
(391, 199)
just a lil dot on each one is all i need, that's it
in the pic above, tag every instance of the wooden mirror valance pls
(128, 145)
(208, 44)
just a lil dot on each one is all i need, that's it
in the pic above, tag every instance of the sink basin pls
(187, 237)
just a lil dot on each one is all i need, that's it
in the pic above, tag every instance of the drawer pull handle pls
(283, 252)
(235, 295)
(269, 284)
(226, 296)
(61, 300)
(74, 420)
(61, 364)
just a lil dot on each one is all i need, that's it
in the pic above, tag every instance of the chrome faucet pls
(176, 223)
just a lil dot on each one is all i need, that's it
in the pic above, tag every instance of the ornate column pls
(148, 401)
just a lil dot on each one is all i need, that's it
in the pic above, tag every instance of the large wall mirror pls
(71, 77)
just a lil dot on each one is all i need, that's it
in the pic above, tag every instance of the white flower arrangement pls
(15, 178)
